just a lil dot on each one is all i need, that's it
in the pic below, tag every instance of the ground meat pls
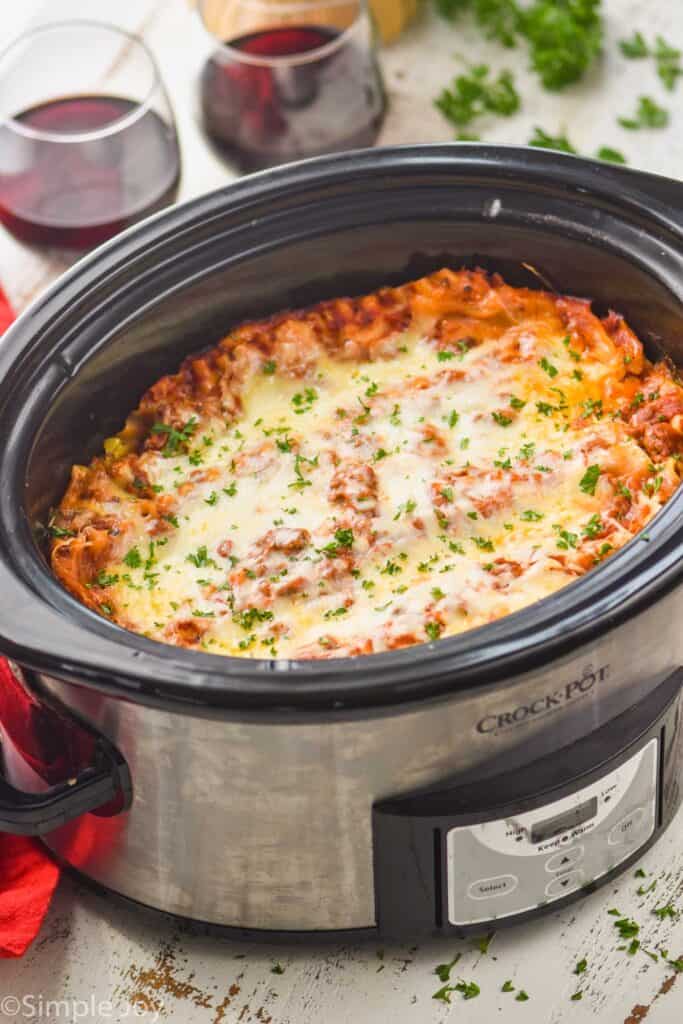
(354, 485)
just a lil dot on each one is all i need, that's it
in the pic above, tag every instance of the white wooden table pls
(97, 961)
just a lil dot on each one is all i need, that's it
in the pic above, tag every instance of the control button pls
(564, 884)
(626, 831)
(564, 861)
(489, 888)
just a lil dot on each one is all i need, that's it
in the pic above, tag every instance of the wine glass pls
(284, 80)
(88, 143)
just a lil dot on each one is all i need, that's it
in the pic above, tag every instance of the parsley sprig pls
(175, 438)
(564, 36)
(667, 58)
(648, 114)
(475, 93)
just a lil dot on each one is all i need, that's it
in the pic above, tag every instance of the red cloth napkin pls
(28, 876)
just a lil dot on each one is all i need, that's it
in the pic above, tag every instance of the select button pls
(490, 888)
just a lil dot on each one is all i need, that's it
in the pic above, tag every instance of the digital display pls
(552, 827)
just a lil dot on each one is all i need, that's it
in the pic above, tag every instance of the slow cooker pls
(437, 789)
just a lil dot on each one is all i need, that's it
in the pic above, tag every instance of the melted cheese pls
(482, 496)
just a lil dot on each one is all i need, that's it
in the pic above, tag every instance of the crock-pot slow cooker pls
(485, 777)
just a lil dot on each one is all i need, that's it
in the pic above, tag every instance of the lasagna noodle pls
(374, 473)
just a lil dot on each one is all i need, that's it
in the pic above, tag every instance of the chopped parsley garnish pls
(545, 408)
(380, 454)
(589, 480)
(531, 516)
(627, 928)
(581, 966)
(284, 444)
(343, 541)
(303, 401)
(453, 418)
(542, 140)
(564, 36)
(105, 579)
(58, 531)
(301, 482)
(652, 486)
(269, 367)
(592, 407)
(666, 911)
(548, 367)
(610, 156)
(335, 613)
(483, 543)
(248, 619)
(593, 527)
(516, 403)
(527, 451)
(175, 438)
(635, 47)
(277, 969)
(212, 499)
(522, 996)
(507, 986)
(668, 58)
(443, 971)
(372, 389)
(469, 989)
(566, 540)
(475, 93)
(648, 115)
(133, 559)
(202, 615)
(577, 997)
(201, 558)
(501, 419)
(406, 509)
(445, 355)
(433, 630)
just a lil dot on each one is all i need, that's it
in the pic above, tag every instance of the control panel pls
(511, 865)
(467, 854)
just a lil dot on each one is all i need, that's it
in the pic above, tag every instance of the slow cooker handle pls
(35, 814)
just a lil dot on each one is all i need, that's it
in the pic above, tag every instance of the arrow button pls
(557, 887)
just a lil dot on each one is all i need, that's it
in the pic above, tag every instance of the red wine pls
(265, 114)
(76, 192)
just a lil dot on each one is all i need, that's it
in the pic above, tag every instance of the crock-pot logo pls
(546, 704)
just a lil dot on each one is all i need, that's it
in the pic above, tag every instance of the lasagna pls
(374, 473)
